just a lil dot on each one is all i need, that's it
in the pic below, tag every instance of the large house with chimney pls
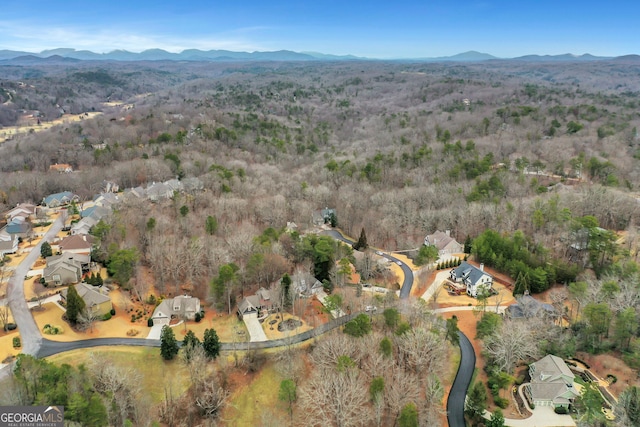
(474, 278)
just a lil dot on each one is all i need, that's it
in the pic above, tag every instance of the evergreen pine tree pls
(75, 305)
(211, 343)
(361, 244)
(286, 291)
(168, 343)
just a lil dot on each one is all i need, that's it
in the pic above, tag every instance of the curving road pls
(49, 348)
(31, 336)
(458, 393)
(407, 284)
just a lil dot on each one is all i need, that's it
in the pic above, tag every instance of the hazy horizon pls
(405, 29)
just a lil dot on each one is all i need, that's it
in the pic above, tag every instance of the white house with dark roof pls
(474, 278)
(551, 383)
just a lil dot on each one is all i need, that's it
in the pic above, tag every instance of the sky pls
(373, 28)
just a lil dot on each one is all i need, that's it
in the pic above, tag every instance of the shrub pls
(52, 330)
(559, 410)
(113, 312)
(198, 317)
(106, 316)
(149, 322)
(10, 326)
(501, 402)
(16, 342)
(133, 318)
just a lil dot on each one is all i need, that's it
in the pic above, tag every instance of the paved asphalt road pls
(405, 290)
(31, 336)
(458, 393)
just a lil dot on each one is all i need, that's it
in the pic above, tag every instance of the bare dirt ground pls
(31, 125)
(609, 364)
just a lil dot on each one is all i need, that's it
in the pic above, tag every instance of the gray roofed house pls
(474, 278)
(159, 191)
(136, 192)
(174, 185)
(551, 383)
(443, 242)
(527, 307)
(182, 306)
(97, 302)
(8, 246)
(83, 226)
(255, 303)
(63, 269)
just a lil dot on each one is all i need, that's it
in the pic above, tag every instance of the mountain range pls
(70, 55)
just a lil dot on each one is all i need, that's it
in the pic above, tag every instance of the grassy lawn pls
(248, 404)
(155, 373)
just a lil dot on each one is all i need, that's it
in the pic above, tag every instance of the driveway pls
(254, 327)
(407, 283)
(543, 416)
(155, 332)
(458, 393)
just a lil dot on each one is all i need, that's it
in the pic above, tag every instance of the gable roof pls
(551, 366)
(178, 305)
(466, 271)
(552, 380)
(91, 295)
(439, 239)
(527, 306)
(61, 198)
(76, 242)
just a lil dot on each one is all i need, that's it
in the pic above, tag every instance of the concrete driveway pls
(256, 333)
(543, 416)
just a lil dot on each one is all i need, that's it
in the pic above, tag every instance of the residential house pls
(106, 200)
(474, 278)
(61, 168)
(323, 216)
(180, 307)
(135, 193)
(253, 305)
(96, 300)
(444, 243)
(528, 307)
(8, 247)
(83, 226)
(76, 244)
(23, 210)
(158, 191)
(64, 269)
(551, 383)
(174, 185)
(18, 227)
(110, 187)
(95, 212)
(60, 199)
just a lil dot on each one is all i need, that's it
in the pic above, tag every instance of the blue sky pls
(376, 29)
